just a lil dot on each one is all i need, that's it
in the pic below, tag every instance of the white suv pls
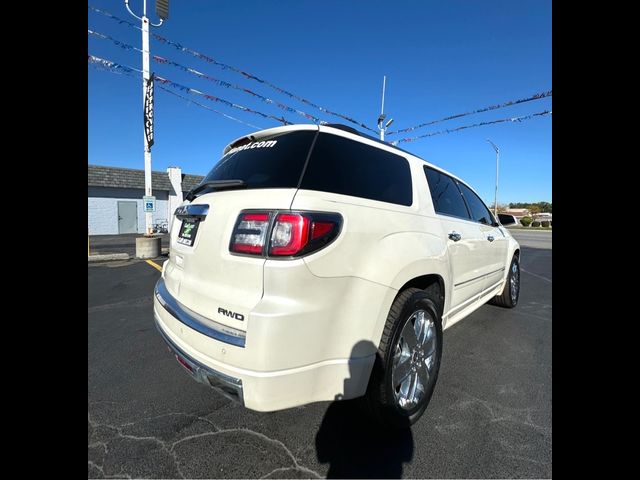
(317, 263)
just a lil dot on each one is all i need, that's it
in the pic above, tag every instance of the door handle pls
(490, 238)
(455, 236)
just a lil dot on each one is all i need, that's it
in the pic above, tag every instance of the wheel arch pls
(428, 281)
(415, 276)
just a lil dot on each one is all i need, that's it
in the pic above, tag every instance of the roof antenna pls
(382, 114)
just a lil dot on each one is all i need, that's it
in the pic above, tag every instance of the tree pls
(545, 207)
(541, 206)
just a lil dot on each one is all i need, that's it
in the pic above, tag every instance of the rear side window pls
(446, 197)
(271, 162)
(340, 165)
(479, 212)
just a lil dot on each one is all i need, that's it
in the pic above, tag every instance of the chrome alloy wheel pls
(514, 281)
(413, 360)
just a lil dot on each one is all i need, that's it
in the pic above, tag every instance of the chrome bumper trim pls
(196, 321)
(228, 386)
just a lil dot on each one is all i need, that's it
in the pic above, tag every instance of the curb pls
(108, 257)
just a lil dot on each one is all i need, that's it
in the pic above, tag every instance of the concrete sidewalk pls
(126, 243)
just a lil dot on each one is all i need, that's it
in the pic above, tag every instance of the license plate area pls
(188, 231)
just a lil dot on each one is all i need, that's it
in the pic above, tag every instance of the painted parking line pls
(536, 275)
(154, 265)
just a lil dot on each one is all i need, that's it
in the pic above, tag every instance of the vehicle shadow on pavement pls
(355, 446)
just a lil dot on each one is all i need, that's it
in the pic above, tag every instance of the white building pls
(115, 197)
(518, 212)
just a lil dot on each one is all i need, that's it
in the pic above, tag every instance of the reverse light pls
(290, 234)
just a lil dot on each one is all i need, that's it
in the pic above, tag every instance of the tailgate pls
(206, 277)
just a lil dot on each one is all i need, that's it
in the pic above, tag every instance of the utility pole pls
(382, 115)
(162, 10)
(495, 201)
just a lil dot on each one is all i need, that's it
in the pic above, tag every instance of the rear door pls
(494, 242)
(202, 274)
(465, 240)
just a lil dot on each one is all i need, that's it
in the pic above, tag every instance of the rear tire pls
(511, 291)
(408, 360)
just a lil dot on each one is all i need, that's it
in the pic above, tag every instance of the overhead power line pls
(118, 68)
(226, 66)
(222, 83)
(482, 124)
(536, 96)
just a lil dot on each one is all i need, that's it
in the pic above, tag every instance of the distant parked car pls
(507, 220)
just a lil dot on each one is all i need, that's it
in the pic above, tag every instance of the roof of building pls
(117, 177)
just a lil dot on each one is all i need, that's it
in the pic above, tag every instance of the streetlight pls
(382, 114)
(162, 10)
(495, 200)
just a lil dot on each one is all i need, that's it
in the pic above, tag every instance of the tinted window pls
(340, 165)
(479, 212)
(271, 162)
(446, 197)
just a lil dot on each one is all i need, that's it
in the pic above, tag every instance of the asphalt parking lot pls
(490, 415)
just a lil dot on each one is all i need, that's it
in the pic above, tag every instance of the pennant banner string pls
(189, 100)
(482, 124)
(121, 21)
(108, 64)
(222, 83)
(112, 66)
(225, 66)
(537, 96)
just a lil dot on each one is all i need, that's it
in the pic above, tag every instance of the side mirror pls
(506, 219)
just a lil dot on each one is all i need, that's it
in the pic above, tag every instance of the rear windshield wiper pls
(217, 184)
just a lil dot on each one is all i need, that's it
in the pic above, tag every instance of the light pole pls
(495, 200)
(162, 10)
(382, 115)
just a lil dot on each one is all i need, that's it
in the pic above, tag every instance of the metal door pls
(127, 217)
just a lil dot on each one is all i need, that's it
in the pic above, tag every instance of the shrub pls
(545, 223)
(535, 224)
(526, 221)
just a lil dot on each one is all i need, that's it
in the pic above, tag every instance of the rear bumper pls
(308, 339)
(228, 386)
(271, 391)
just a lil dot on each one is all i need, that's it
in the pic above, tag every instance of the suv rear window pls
(341, 165)
(479, 212)
(447, 199)
(270, 162)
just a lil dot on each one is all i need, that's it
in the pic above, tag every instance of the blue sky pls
(440, 58)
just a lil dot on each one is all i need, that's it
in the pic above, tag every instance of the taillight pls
(293, 234)
(250, 233)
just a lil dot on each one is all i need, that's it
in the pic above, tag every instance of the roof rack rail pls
(346, 128)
